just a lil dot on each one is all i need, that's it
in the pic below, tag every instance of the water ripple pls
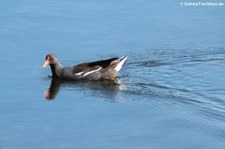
(148, 63)
(185, 77)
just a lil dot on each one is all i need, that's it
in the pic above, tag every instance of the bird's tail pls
(120, 64)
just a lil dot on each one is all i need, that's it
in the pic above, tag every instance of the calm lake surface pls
(171, 91)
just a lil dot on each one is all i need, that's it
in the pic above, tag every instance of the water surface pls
(170, 92)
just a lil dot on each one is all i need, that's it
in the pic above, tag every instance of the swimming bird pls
(98, 70)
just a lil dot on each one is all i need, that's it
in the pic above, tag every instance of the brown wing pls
(90, 66)
(102, 63)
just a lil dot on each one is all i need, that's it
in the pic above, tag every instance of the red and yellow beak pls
(47, 62)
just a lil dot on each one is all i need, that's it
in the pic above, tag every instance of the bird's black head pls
(50, 59)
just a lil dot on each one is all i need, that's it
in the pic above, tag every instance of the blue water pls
(171, 91)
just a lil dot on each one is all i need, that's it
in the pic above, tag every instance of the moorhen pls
(98, 70)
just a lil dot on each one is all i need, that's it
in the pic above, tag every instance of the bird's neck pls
(56, 69)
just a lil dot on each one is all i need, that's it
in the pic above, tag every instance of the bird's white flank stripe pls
(79, 73)
(87, 73)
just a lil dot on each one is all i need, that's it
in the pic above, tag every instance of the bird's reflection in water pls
(109, 89)
(53, 89)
